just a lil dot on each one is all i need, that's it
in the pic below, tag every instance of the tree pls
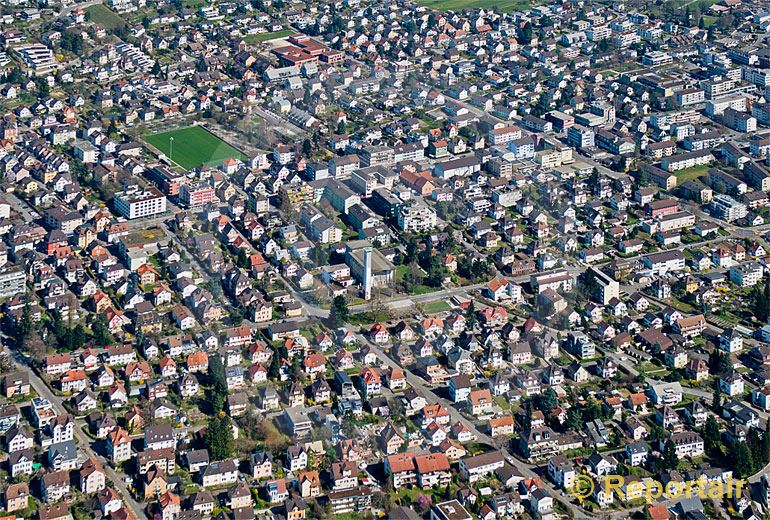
(762, 301)
(668, 458)
(546, 401)
(716, 401)
(642, 179)
(481, 269)
(574, 419)
(656, 432)
(219, 437)
(423, 502)
(744, 464)
(593, 179)
(43, 88)
(450, 242)
(711, 435)
(242, 259)
(377, 308)
(15, 76)
(72, 41)
(725, 365)
(592, 410)
(340, 313)
(412, 249)
(320, 255)
(754, 442)
(435, 270)
(765, 449)
(307, 147)
(79, 336)
(412, 277)
(713, 361)
(274, 372)
(218, 380)
(524, 34)
(102, 334)
(470, 317)
(23, 327)
(36, 347)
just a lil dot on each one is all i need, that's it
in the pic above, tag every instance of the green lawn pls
(193, 146)
(439, 306)
(623, 67)
(690, 174)
(456, 5)
(263, 37)
(104, 16)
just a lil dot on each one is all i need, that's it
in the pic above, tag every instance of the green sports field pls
(456, 5)
(193, 146)
(264, 37)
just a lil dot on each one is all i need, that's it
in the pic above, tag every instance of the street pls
(84, 442)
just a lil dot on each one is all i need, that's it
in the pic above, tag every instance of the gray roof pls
(67, 450)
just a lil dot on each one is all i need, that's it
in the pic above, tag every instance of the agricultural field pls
(193, 146)
(505, 6)
(104, 16)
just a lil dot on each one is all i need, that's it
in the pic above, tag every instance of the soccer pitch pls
(193, 146)
(505, 6)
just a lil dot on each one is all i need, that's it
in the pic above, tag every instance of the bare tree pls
(378, 310)
(36, 347)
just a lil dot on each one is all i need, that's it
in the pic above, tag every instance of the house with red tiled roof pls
(434, 412)
(343, 359)
(400, 467)
(501, 426)
(396, 379)
(167, 367)
(74, 381)
(57, 363)
(379, 333)
(138, 371)
(119, 445)
(480, 401)
(637, 402)
(147, 274)
(314, 365)
(496, 289)
(432, 470)
(432, 327)
(198, 362)
(494, 316)
(91, 477)
(658, 512)
(370, 382)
